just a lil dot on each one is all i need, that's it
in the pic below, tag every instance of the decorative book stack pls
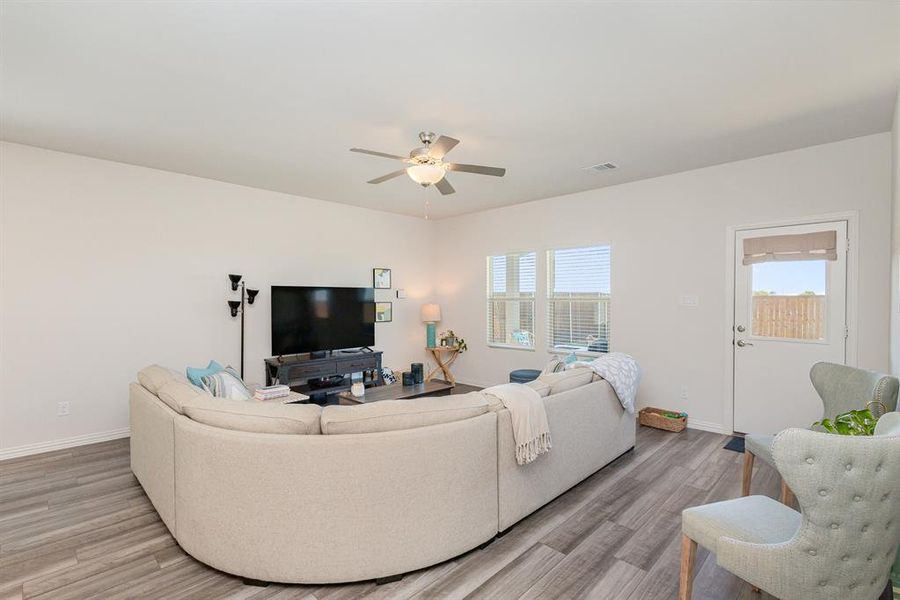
(271, 392)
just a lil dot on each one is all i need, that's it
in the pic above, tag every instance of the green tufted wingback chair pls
(841, 389)
(840, 546)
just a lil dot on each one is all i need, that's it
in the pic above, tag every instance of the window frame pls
(489, 298)
(549, 298)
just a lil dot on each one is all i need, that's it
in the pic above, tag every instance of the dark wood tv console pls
(296, 371)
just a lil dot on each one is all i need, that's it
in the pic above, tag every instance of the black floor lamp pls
(238, 306)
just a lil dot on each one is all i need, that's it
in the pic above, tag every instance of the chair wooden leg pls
(686, 581)
(748, 473)
(787, 496)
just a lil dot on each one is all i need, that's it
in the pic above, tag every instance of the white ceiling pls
(273, 94)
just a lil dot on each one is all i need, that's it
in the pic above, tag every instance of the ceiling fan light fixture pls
(427, 166)
(426, 174)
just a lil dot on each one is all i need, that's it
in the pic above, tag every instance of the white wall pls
(106, 267)
(895, 243)
(668, 238)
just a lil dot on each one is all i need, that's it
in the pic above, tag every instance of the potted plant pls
(449, 339)
(852, 422)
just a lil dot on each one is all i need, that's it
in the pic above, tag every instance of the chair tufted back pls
(849, 492)
(844, 388)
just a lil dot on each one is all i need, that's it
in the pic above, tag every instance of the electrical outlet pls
(62, 409)
(684, 392)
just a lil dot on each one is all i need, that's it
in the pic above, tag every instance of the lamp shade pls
(431, 313)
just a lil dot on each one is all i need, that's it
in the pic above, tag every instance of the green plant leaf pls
(853, 422)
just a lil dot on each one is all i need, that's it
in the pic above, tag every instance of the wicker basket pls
(653, 417)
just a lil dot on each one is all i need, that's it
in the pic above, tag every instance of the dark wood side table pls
(396, 391)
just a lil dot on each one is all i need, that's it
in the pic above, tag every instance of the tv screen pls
(310, 319)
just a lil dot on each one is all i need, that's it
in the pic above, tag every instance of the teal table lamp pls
(431, 314)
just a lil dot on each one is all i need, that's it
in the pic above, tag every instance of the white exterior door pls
(788, 315)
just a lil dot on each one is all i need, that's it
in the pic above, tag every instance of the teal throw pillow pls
(196, 375)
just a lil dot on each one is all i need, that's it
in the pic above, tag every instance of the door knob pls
(742, 343)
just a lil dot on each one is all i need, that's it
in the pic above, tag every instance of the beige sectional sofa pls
(304, 494)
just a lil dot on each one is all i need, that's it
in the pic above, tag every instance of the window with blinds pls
(578, 298)
(511, 282)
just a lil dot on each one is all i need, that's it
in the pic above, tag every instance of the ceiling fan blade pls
(381, 154)
(480, 169)
(444, 187)
(441, 146)
(384, 178)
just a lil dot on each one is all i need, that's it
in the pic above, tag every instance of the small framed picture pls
(384, 312)
(381, 278)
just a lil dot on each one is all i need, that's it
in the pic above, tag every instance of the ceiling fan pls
(427, 166)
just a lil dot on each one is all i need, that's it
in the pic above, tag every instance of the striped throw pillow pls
(226, 384)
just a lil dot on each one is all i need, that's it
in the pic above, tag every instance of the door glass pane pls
(789, 299)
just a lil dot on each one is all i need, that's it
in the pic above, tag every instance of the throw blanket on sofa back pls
(621, 371)
(531, 431)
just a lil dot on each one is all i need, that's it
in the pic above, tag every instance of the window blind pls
(578, 299)
(511, 280)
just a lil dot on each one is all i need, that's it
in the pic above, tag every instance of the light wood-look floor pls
(76, 524)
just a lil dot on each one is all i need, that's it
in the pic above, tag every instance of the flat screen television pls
(312, 319)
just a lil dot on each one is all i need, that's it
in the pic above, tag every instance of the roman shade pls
(818, 245)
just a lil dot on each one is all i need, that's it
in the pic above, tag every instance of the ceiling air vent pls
(602, 167)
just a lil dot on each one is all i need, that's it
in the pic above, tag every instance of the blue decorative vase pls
(418, 371)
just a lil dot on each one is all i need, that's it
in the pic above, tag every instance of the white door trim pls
(852, 218)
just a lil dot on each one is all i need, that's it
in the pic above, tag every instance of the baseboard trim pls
(475, 384)
(708, 426)
(72, 442)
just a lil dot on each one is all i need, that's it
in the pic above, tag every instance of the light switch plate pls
(689, 300)
(401, 294)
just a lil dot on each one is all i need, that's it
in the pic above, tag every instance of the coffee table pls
(397, 391)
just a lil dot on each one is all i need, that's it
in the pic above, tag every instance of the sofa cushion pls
(392, 415)
(541, 387)
(567, 380)
(176, 393)
(255, 417)
(155, 376)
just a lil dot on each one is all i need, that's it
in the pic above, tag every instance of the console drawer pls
(357, 364)
(320, 369)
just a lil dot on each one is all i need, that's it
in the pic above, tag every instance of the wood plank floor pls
(76, 524)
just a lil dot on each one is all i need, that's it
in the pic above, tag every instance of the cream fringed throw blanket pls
(529, 419)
